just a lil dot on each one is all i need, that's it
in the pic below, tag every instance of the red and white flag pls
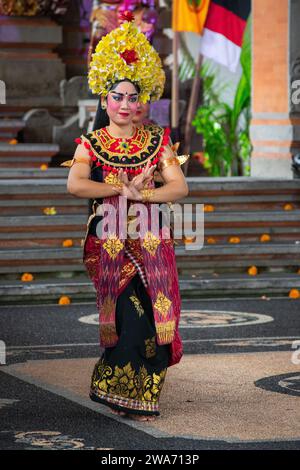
(223, 31)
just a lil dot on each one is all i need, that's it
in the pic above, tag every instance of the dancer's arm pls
(175, 186)
(79, 183)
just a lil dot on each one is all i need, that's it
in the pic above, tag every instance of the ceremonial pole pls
(175, 86)
(191, 110)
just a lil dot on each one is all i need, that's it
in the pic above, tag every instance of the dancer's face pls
(141, 113)
(122, 103)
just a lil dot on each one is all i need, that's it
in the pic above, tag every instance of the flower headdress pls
(126, 53)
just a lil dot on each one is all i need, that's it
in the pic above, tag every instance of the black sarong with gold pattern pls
(129, 375)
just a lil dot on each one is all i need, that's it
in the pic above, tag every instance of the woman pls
(135, 278)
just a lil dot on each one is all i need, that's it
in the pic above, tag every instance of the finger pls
(152, 169)
(120, 174)
(150, 172)
(145, 168)
(126, 181)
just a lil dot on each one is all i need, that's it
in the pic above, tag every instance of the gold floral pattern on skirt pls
(113, 246)
(150, 347)
(124, 386)
(137, 305)
(129, 376)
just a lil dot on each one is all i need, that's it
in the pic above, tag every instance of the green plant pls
(225, 128)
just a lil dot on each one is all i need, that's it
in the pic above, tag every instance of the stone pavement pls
(237, 386)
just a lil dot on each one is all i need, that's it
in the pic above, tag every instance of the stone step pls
(211, 220)
(81, 289)
(230, 197)
(30, 197)
(236, 258)
(249, 218)
(43, 185)
(36, 206)
(243, 185)
(42, 222)
(55, 239)
(245, 203)
(36, 173)
(244, 193)
(26, 155)
(9, 128)
(201, 188)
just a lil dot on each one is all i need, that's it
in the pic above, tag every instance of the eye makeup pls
(133, 97)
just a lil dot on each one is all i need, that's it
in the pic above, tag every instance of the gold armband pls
(182, 158)
(113, 180)
(167, 162)
(70, 163)
(147, 194)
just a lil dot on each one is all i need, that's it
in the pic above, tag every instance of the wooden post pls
(175, 83)
(191, 111)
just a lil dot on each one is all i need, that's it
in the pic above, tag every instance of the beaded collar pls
(131, 154)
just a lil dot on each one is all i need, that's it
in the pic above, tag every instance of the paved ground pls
(237, 386)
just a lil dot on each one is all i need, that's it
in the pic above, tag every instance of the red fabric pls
(161, 271)
(91, 259)
(222, 21)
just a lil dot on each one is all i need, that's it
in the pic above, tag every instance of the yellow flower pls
(13, 142)
(44, 167)
(211, 240)
(234, 240)
(288, 207)
(107, 66)
(294, 294)
(26, 277)
(188, 240)
(49, 211)
(252, 271)
(68, 242)
(265, 237)
(64, 300)
(208, 208)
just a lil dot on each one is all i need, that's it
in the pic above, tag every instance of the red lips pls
(124, 114)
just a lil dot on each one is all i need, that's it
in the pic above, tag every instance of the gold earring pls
(104, 106)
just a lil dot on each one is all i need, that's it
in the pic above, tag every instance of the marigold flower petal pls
(64, 300)
(294, 294)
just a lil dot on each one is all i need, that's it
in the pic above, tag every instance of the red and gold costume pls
(136, 279)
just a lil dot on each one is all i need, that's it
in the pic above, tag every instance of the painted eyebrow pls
(123, 94)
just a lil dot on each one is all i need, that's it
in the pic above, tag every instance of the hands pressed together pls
(132, 189)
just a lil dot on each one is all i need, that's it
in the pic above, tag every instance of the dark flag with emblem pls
(223, 31)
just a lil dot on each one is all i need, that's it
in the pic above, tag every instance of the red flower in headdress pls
(126, 16)
(130, 56)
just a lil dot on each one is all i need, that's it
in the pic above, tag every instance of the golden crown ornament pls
(125, 53)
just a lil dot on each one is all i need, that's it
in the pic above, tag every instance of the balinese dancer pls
(135, 277)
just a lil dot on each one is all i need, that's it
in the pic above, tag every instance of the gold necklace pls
(122, 138)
